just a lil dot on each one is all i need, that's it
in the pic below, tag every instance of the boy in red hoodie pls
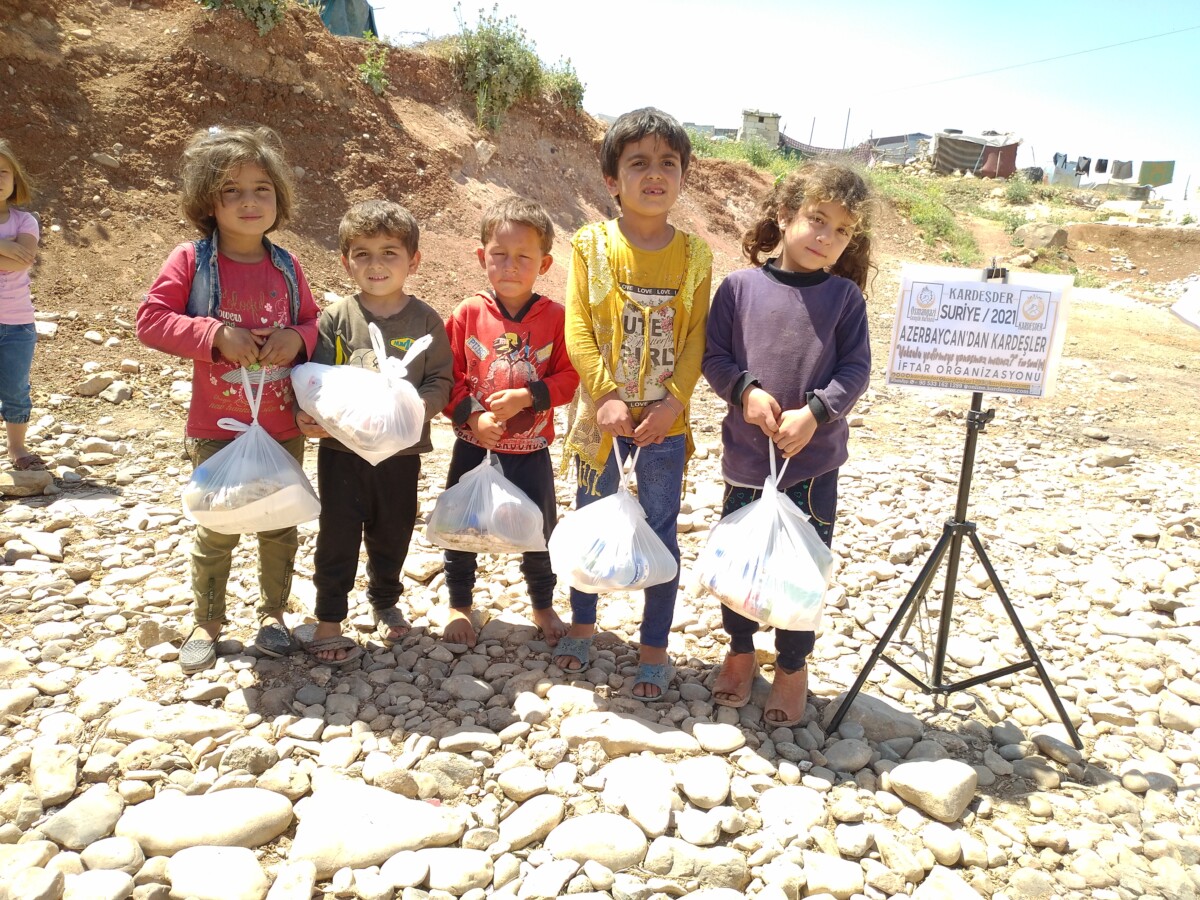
(510, 371)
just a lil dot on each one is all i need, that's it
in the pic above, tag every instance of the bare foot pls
(735, 681)
(570, 663)
(551, 625)
(789, 696)
(653, 656)
(459, 628)
(328, 630)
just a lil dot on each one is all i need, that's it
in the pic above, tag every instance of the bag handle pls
(621, 464)
(253, 399)
(775, 476)
(392, 368)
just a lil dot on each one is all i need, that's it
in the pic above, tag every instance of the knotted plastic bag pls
(251, 485)
(609, 546)
(486, 513)
(375, 414)
(767, 562)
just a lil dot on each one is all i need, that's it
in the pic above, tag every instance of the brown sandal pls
(737, 698)
(799, 679)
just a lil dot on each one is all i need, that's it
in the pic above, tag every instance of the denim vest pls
(204, 299)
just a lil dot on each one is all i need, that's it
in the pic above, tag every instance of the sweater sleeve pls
(309, 314)
(853, 371)
(582, 346)
(721, 368)
(457, 327)
(688, 362)
(435, 387)
(162, 319)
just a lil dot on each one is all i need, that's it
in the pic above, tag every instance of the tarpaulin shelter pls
(348, 17)
(989, 155)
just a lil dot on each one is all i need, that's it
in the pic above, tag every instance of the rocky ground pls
(437, 770)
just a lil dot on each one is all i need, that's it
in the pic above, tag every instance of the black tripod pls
(950, 542)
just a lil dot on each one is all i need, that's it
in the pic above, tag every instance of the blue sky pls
(884, 64)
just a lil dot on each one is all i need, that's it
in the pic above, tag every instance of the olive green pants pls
(212, 552)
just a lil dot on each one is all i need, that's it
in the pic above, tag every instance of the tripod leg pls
(915, 593)
(1026, 642)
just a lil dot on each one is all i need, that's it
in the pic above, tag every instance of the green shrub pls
(1188, 219)
(562, 82)
(756, 153)
(1017, 190)
(922, 201)
(372, 70)
(264, 14)
(496, 62)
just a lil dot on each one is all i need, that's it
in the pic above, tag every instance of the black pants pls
(361, 500)
(534, 474)
(817, 499)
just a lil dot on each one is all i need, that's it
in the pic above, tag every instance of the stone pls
(942, 789)
(455, 870)
(217, 873)
(119, 853)
(188, 722)
(828, 874)
(295, 880)
(880, 720)
(704, 780)
(239, 817)
(382, 825)
(98, 885)
(54, 773)
(714, 867)
(611, 840)
(620, 735)
(532, 821)
(86, 819)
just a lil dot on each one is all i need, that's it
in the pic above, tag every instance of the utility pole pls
(847, 131)
(811, 130)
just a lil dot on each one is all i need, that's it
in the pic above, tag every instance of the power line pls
(1035, 62)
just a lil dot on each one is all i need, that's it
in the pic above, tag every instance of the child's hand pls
(278, 346)
(655, 423)
(506, 404)
(612, 416)
(309, 426)
(796, 428)
(487, 430)
(761, 409)
(238, 345)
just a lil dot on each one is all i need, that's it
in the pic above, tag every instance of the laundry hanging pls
(1101, 166)
(1083, 165)
(1157, 173)
(1122, 168)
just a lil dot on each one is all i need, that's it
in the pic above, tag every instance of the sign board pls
(1187, 307)
(956, 332)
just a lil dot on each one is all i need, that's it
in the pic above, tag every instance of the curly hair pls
(808, 186)
(22, 191)
(371, 218)
(213, 153)
(518, 211)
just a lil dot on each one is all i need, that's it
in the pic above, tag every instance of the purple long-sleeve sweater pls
(803, 338)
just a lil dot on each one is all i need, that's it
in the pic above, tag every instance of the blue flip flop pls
(577, 648)
(657, 674)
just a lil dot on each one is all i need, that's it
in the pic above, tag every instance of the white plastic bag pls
(251, 485)
(486, 513)
(609, 546)
(375, 414)
(767, 562)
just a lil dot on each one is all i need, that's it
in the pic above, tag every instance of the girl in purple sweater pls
(788, 349)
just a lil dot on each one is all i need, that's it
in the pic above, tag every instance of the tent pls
(348, 17)
(990, 155)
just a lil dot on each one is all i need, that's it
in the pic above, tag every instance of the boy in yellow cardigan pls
(637, 303)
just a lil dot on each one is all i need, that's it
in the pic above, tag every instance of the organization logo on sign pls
(924, 301)
(1034, 306)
